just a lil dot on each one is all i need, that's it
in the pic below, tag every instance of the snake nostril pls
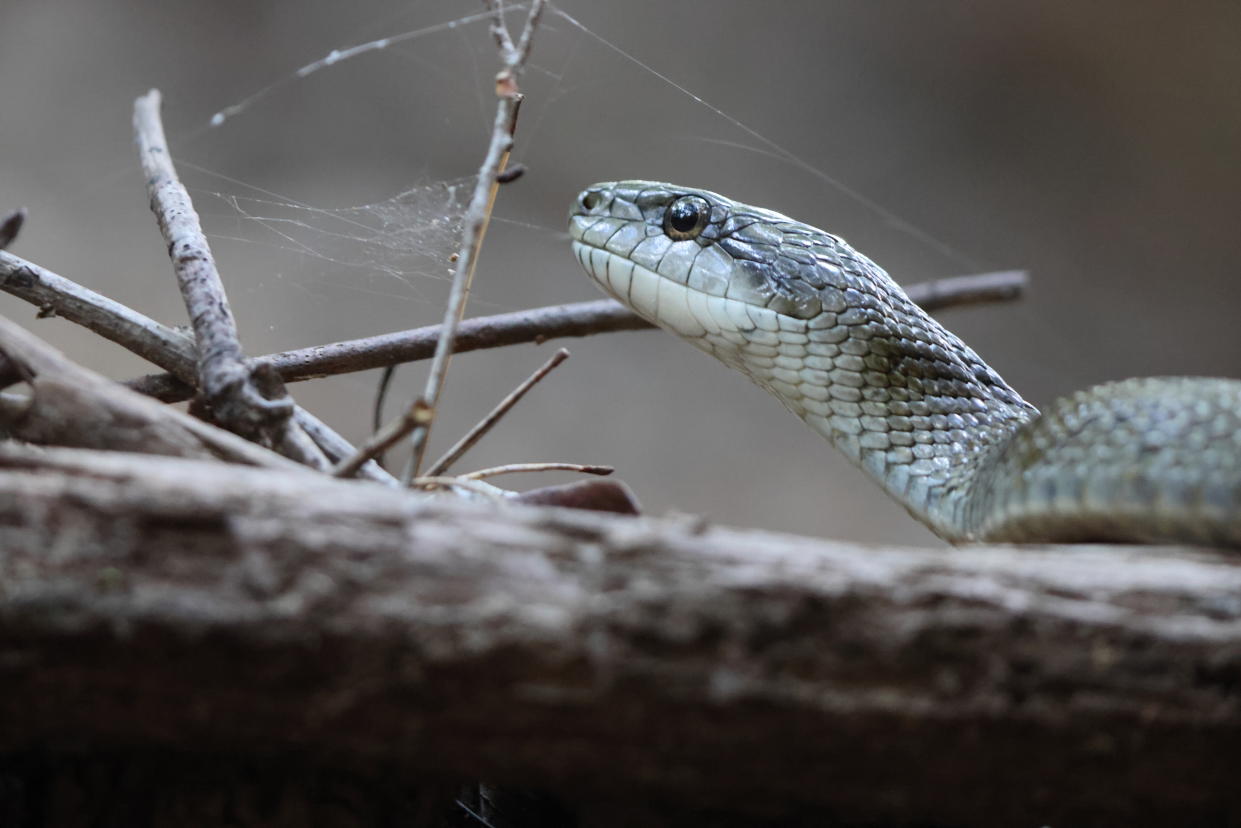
(590, 199)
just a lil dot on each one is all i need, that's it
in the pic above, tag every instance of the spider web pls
(408, 237)
(387, 257)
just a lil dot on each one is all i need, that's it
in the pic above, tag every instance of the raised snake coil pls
(826, 331)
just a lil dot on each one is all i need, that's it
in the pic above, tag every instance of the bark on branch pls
(158, 603)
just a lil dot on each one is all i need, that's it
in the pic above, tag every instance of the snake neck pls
(909, 403)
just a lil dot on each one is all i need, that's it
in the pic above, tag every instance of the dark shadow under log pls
(191, 611)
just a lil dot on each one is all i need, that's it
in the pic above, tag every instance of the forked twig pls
(476, 218)
(471, 437)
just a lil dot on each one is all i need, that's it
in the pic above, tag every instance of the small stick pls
(384, 439)
(471, 438)
(976, 289)
(10, 226)
(248, 399)
(511, 468)
(477, 216)
(476, 486)
(538, 325)
(527, 34)
(164, 346)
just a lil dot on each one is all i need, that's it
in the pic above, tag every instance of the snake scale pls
(827, 332)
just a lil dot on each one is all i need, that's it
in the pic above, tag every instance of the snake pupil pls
(686, 217)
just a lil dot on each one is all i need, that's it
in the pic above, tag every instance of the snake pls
(826, 331)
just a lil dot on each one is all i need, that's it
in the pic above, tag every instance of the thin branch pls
(975, 289)
(166, 347)
(337, 447)
(250, 400)
(384, 350)
(527, 34)
(512, 468)
(384, 439)
(222, 370)
(538, 325)
(477, 217)
(476, 486)
(55, 295)
(10, 226)
(471, 437)
(504, 42)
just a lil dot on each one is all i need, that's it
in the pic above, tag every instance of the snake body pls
(827, 332)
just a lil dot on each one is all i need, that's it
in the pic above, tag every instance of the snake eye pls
(686, 217)
(590, 199)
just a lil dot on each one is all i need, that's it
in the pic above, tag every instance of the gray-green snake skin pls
(825, 330)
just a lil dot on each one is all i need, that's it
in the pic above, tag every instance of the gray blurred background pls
(1095, 144)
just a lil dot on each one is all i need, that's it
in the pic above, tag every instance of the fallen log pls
(156, 606)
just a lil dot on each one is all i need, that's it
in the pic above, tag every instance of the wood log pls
(167, 607)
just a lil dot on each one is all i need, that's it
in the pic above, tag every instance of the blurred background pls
(1094, 144)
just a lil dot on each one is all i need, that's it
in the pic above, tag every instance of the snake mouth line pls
(684, 309)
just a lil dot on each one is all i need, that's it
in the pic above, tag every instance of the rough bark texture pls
(186, 611)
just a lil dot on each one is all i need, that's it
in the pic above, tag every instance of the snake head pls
(633, 236)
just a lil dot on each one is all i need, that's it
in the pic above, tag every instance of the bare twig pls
(10, 226)
(538, 325)
(383, 350)
(247, 398)
(337, 447)
(975, 289)
(511, 468)
(504, 42)
(384, 439)
(476, 218)
(513, 55)
(166, 347)
(475, 486)
(527, 34)
(471, 437)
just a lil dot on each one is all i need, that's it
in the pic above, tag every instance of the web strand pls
(337, 56)
(891, 218)
(409, 236)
